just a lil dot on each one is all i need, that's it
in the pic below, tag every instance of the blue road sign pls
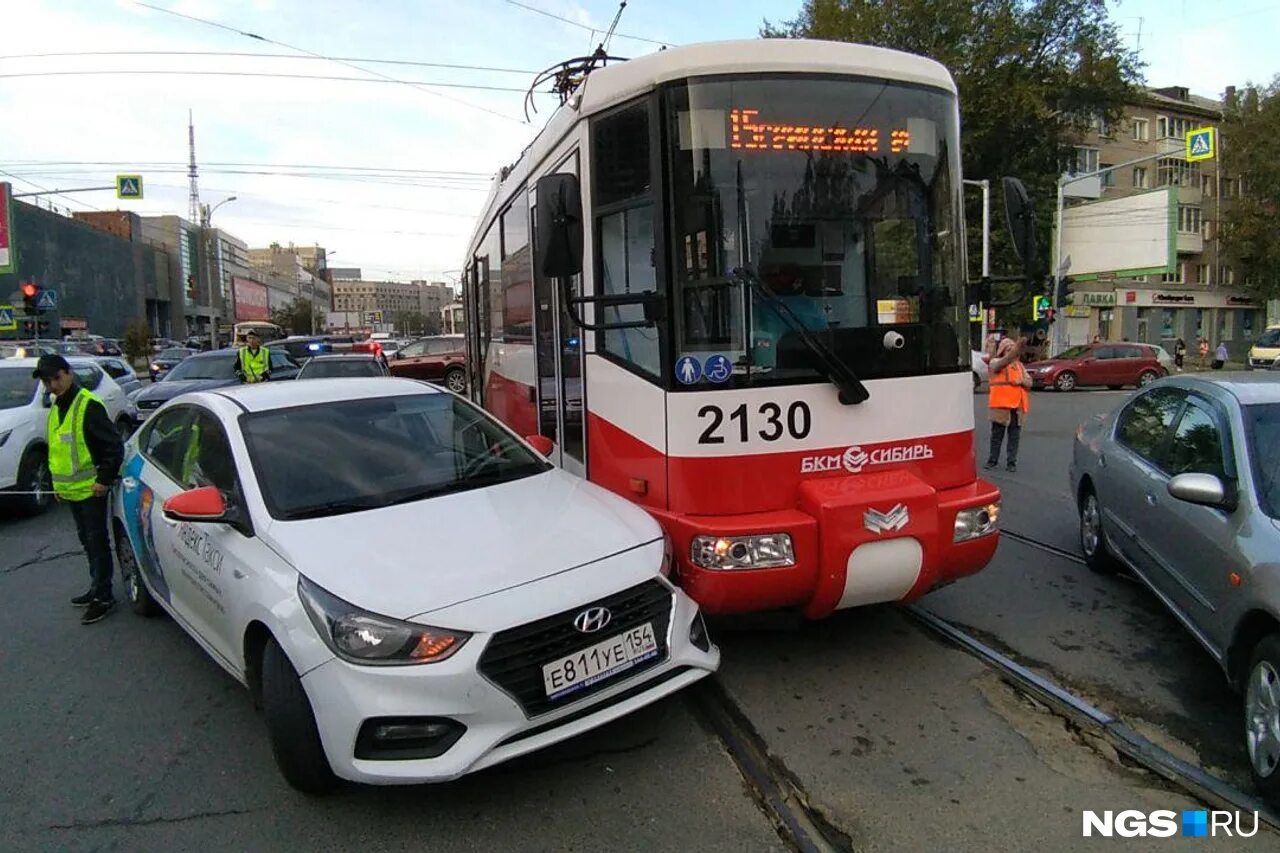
(48, 300)
(7, 323)
(688, 371)
(717, 369)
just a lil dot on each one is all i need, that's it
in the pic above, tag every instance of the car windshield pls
(334, 368)
(175, 354)
(840, 198)
(17, 388)
(209, 367)
(394, 450)
(1269, 338)
(1263, 426)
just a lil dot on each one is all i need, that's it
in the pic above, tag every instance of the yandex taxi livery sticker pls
(138, 506)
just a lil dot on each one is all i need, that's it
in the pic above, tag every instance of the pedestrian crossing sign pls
(7, 323)
(129, 186)
(1201, 144)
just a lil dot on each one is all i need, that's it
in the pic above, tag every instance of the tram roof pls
(614, 84)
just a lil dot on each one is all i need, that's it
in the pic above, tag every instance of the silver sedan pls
(1181, 487)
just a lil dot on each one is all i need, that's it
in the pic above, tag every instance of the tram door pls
(559, 355)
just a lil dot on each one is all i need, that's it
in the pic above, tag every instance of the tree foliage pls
(1251, 148)
(136, 343)
(1032, 74)
(294, 317)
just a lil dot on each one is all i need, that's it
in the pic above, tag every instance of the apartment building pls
(1199, 298)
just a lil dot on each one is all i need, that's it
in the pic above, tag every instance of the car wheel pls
(34, 478)
(1146, 377)
(291, 725)
(1093, 541)
(1066, 381)
(456, 381)
(135, 589)
(1262, 717)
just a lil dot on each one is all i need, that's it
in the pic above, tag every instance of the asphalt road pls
(123, 736)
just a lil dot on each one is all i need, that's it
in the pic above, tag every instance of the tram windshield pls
(843, 197)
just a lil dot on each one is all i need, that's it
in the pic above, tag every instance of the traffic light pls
(31, 296)
(1040, 308)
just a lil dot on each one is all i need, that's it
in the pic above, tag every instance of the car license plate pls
(603, 660)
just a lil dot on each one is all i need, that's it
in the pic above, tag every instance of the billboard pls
(8, 255)
(1129, 236)
(251, 299)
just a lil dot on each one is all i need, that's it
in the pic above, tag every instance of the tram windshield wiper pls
(838, 373)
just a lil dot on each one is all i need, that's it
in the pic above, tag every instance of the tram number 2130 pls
(769, 422)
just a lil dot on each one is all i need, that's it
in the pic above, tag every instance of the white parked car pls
(410, 590)
(24, 426)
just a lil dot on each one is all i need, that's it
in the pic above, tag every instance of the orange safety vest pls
(1007, 390)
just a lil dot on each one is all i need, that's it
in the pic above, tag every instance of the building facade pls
(1199, 298)
(288, 278)
(356, 296)
(435, 296)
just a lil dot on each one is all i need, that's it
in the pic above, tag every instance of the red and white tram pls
(727, 281)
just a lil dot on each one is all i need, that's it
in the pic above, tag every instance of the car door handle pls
(1102, 460)
(1151, 499)
(129, 483)
(237, 574)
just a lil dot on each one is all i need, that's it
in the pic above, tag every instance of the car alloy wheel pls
(1066, 381)
(135, 591)
(1090, 527)
(456, 381)
(1262, 718)
(1146, 378)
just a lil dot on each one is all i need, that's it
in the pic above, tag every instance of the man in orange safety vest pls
(1008, 399)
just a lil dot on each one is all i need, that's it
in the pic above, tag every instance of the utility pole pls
(985, 185)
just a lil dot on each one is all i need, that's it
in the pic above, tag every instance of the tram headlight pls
(976, 522)
(765, 551)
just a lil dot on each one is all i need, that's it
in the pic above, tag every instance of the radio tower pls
(194, 212)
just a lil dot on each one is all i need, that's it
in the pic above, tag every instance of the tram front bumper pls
(857, 539)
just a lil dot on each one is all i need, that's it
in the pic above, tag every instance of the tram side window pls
(517, 273)
(625, 231)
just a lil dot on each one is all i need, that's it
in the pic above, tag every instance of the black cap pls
(49, 366)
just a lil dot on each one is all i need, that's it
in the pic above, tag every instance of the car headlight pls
(766, 551)
(4, 436)
(362, 637)
(976, 522)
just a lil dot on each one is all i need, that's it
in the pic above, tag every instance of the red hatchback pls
(1110, 364)
(442, 360)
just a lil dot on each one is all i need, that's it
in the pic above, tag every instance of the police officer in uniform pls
(253, 361)
(85, 453)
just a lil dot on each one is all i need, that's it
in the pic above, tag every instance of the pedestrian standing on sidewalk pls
(85, 453)
(1179, 353)
(1008, 400)
(1220, 356)
(1204, 351)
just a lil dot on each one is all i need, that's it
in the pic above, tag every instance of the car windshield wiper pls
(333, 508)
(838, 373)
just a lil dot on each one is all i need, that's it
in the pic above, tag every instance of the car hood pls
(10, 418)
(169, 389)
(405, 560)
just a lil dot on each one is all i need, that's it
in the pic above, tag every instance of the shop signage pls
(1096, 299)
(1173, 299)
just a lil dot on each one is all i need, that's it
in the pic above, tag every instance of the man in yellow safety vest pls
(85, 453)
(1008, 400)
(253, 361)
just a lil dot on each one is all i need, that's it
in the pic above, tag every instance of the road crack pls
(41, 558)
(151, 821)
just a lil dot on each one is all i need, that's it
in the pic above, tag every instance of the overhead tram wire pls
(583, 26)
(348, 64)
(256, 55)
(484, 176)
(48, 191)
(278, 75)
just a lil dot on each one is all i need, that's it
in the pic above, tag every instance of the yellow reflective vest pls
(254, 366)
(70, 463)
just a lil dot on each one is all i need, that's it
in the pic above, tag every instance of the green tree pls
(1251, 148)
(136, 342)
(295, 317)
(1032, 75)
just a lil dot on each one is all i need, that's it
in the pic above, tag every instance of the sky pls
(388, 176)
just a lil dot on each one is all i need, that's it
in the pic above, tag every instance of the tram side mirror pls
(559, 226)
(1020, 216)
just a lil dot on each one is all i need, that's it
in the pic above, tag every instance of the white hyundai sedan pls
(408, 589)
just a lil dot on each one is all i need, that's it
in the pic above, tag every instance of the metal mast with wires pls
(194, 211)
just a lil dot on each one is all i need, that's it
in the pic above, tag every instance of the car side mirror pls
(541, 443)
(203, 505)
(1202, 489)
(559, 226)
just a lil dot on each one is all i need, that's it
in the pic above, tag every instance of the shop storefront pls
(1161, 316)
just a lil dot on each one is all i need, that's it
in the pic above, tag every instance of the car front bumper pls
(345, 696)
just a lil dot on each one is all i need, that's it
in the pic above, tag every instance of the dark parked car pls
(202, 372)
(166, 360)
(441, 359)
(1181, 487)
(119, 370)
(343, 366)
(1110, 364)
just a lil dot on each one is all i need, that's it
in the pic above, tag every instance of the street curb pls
(1123, 738)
